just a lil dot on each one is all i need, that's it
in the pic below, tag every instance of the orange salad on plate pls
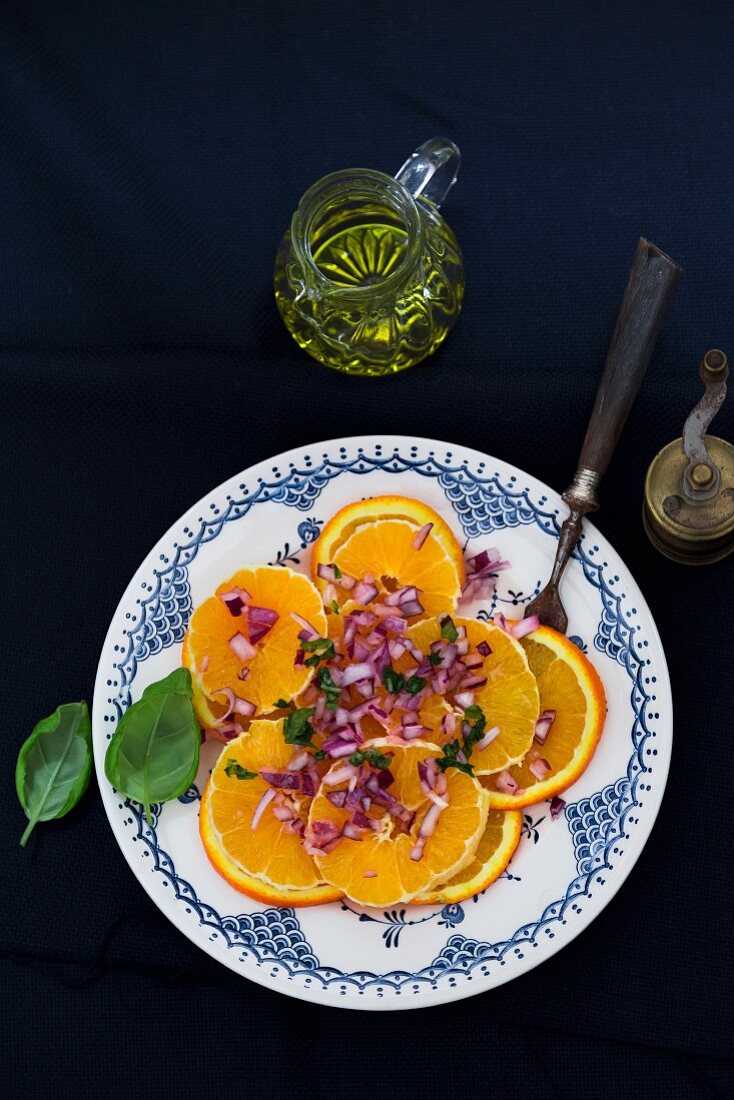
(378, 743)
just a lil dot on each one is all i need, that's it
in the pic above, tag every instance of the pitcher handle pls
(431, 170)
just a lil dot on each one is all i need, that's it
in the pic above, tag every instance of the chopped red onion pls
(259, 621)
(364, 592)
(500, 621)
(489, 737)
(525, 626)
(364, 619)
(394, 624)
(352, 831)
(225, 732)
(397, 649)
(283, 813)
(427, 829)
(427, 771)
(365, 688)
(288, 781)
(369, 874)
(412, 607)
(235, 600)
(485, 649)
(540, 768)
(261, 806)
(243, 673)
(470, 683)
(543, 726)
(506, 783)
(556, 807)
(473, 660)
(422, 535)
(337, 798)
(299, 659)
(296, 827)
(326, 573)
(356, 672)
(412, 733)
(329, 596)
(464, 699)
(345, 748)
(321, 837)
(305, 626)
(230, 697)
(448, 724)
(241, 648)
(339, 775)
(205, 663)
(298, 762)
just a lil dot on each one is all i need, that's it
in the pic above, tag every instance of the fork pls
(652, 283)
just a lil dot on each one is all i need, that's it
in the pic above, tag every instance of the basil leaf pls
(297, 728)
(373, 757)
(54, 765)
(236, 771)
(178, 680)
(450, 759)
(154, 753)
(393, 681)
(448, 630)
(415, 684)
(435, 658)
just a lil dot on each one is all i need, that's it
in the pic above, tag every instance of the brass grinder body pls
(688, 510)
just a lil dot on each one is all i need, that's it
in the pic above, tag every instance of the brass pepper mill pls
(689, 489)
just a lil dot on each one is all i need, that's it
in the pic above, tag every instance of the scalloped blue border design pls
(598, 824)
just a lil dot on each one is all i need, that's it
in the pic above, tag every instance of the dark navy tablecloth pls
(150, 158)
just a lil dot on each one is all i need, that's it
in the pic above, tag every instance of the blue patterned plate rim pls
(606, 828)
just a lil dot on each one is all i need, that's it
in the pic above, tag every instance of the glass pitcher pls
(369, 279)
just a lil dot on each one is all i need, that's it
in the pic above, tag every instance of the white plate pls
(563, 873)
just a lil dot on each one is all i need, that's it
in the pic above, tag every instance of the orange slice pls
(570, 685)
(271, 674)
(509, 699)
(267, 862)
(378, 869)
(385, 549)
(346, 521)
(376, 537)
(494, 851)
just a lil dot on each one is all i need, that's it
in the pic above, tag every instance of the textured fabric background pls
(150, 158)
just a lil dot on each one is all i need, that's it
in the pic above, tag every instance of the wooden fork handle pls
(650, 289)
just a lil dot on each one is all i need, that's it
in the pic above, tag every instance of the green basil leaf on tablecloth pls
(54, 765)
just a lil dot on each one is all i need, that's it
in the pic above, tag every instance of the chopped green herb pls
(297, 728)
(322, 649)
(448, 631)
(414, 684)
(393, 681)
(476, 716)
(319, 755)
(449, 759)
(335, 607)
(337, 572)
(435, 659)
(373, 756)
(330, 689)
(236, 771)
(280, 703)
